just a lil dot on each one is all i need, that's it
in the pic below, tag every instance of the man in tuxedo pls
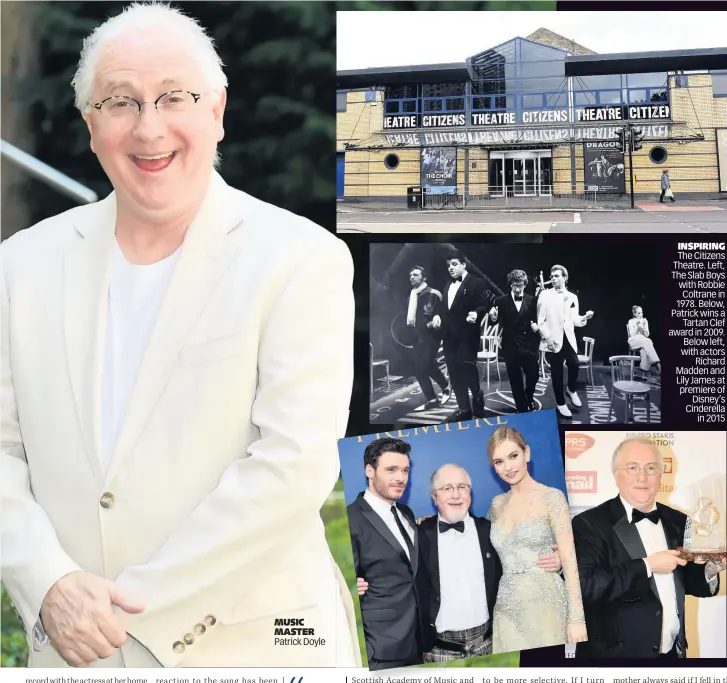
(633, 581)
(424, 303)
(385, 556)
(459, 571)
(170, 409)
(463, 309)
(557, 317)
(517, 314)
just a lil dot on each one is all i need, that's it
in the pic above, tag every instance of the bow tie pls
(518, 298)
(456, 279)
(653, 516)
(457, 526)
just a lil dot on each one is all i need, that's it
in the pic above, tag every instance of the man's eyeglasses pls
(123, 106)
(634, 469)
(461, 488)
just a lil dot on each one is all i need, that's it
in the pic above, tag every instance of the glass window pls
(341, 100)
(481, 103)
(645, 80)
(532, 101)
(658, 95)
(433, 105)
(556, 99)
(442, 89)
(609, 97)
(409, 106)
(609, 82)
(454, 104)
(585, 99)
(371, 96)
(637, 96)
(391, 106)
(391, 161)
(396, 92)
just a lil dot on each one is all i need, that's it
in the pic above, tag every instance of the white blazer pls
(558, 315)
(228, 449)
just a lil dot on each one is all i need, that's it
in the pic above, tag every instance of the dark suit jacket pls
(622, 607)
(429, 304)
(389, 607)
(517, 336)
(457, 332)
(428, 575)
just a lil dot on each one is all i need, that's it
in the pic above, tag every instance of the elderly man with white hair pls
(170, 408)
(459, 571)
(633, 580)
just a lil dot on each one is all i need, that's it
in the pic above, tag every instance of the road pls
(472, 221)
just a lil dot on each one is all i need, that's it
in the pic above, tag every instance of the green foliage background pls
(280, 122)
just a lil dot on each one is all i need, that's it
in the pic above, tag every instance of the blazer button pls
(210, 620)
(199, 629)
(107, 500)
(655, 648)
(189, 639)
(658, 613)
(179, 647)
(488, 556)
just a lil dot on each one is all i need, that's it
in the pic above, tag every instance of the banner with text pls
(439, 169)
(603, 167)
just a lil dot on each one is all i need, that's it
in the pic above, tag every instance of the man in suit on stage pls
(633, 580)
(385, 555)
(423, 304)
(170, 407)
(557, 317)
(517, 314)
(455, 551)
(465, 305)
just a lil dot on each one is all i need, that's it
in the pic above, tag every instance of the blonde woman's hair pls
(502, 434)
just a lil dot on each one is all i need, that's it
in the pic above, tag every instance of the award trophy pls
(704, 534)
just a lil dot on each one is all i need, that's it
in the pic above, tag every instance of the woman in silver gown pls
(534, 608)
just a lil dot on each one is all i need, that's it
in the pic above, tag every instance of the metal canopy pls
(646, 62)
(398, 75)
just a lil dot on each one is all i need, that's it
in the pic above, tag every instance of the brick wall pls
(361, 120)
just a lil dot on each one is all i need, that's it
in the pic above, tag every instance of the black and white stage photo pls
(461, 331)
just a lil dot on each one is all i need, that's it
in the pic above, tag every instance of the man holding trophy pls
(638, 559)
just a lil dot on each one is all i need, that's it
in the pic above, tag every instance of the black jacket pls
(622, 607)
(389, 607)
(456, 331)
(428, 574)
(517, 335)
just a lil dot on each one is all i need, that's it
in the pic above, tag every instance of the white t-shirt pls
(135, 297)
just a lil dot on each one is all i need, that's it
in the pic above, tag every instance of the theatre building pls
(533, 117)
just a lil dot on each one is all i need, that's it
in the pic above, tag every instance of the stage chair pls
(586, 360)
(491, 340)
(642, 352)
(623, 386)
(373, 364)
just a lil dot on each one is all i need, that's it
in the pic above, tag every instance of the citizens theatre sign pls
(631, 112)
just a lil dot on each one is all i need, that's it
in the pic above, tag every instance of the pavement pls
(647, 217)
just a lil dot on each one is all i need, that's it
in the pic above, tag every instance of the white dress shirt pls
(135, 297)
(453, 289)
(654, 540)
(518, 304)
(383, 509)
(461, 579)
